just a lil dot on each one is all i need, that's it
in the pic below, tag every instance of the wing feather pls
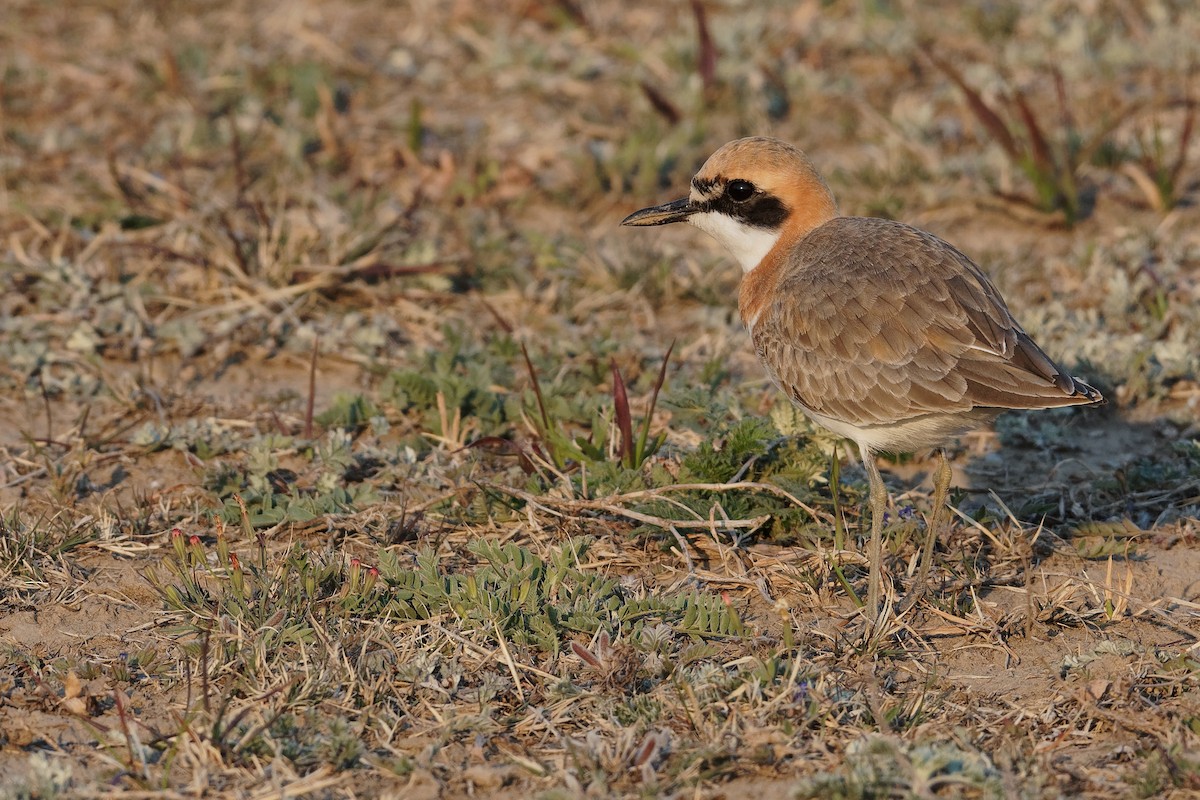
(875, 322)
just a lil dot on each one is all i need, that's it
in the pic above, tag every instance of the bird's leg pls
(941, 488)
(875, 556)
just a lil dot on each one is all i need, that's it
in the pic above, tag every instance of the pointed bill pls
(675, 211)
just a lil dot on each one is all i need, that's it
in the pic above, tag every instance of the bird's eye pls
(740, 191)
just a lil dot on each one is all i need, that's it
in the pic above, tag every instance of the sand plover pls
(879, 332)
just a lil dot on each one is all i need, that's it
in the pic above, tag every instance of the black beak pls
(675, 211)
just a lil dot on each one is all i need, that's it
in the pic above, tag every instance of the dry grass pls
(335, 291)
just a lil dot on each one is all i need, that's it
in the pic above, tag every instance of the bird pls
(880, 332)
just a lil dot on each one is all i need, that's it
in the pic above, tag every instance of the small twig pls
(28, 476)
(725, 487)
(312, 389)
(706, 51)
(133, 744)
(204, 688)
(661, 103)
(500, 320)
(683, 550)
(484, 654)
(265, 724)
(372, 271)
(612, 508)
(46, 402)
(238, 156)
(508, 659)
(537, 388)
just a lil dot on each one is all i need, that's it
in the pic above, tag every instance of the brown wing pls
(877, 322)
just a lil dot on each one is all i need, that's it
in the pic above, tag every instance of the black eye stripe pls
(763, 211)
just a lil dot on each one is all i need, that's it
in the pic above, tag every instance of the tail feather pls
(1090, 393)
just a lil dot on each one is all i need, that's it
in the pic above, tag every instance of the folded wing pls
(877, 322)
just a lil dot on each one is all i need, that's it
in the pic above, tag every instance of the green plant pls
(533, 602)
(536, 601)
(561, 446)
(745, 471)
(349, 412)
(1157, 165)
(885, 766)
(1050, 155)
(451, 392)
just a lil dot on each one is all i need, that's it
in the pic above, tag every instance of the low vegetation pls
(348, 447)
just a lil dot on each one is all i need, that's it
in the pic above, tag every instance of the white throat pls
(747, 244)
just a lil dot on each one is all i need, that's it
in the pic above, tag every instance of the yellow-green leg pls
(941, 490)
(875, 555)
